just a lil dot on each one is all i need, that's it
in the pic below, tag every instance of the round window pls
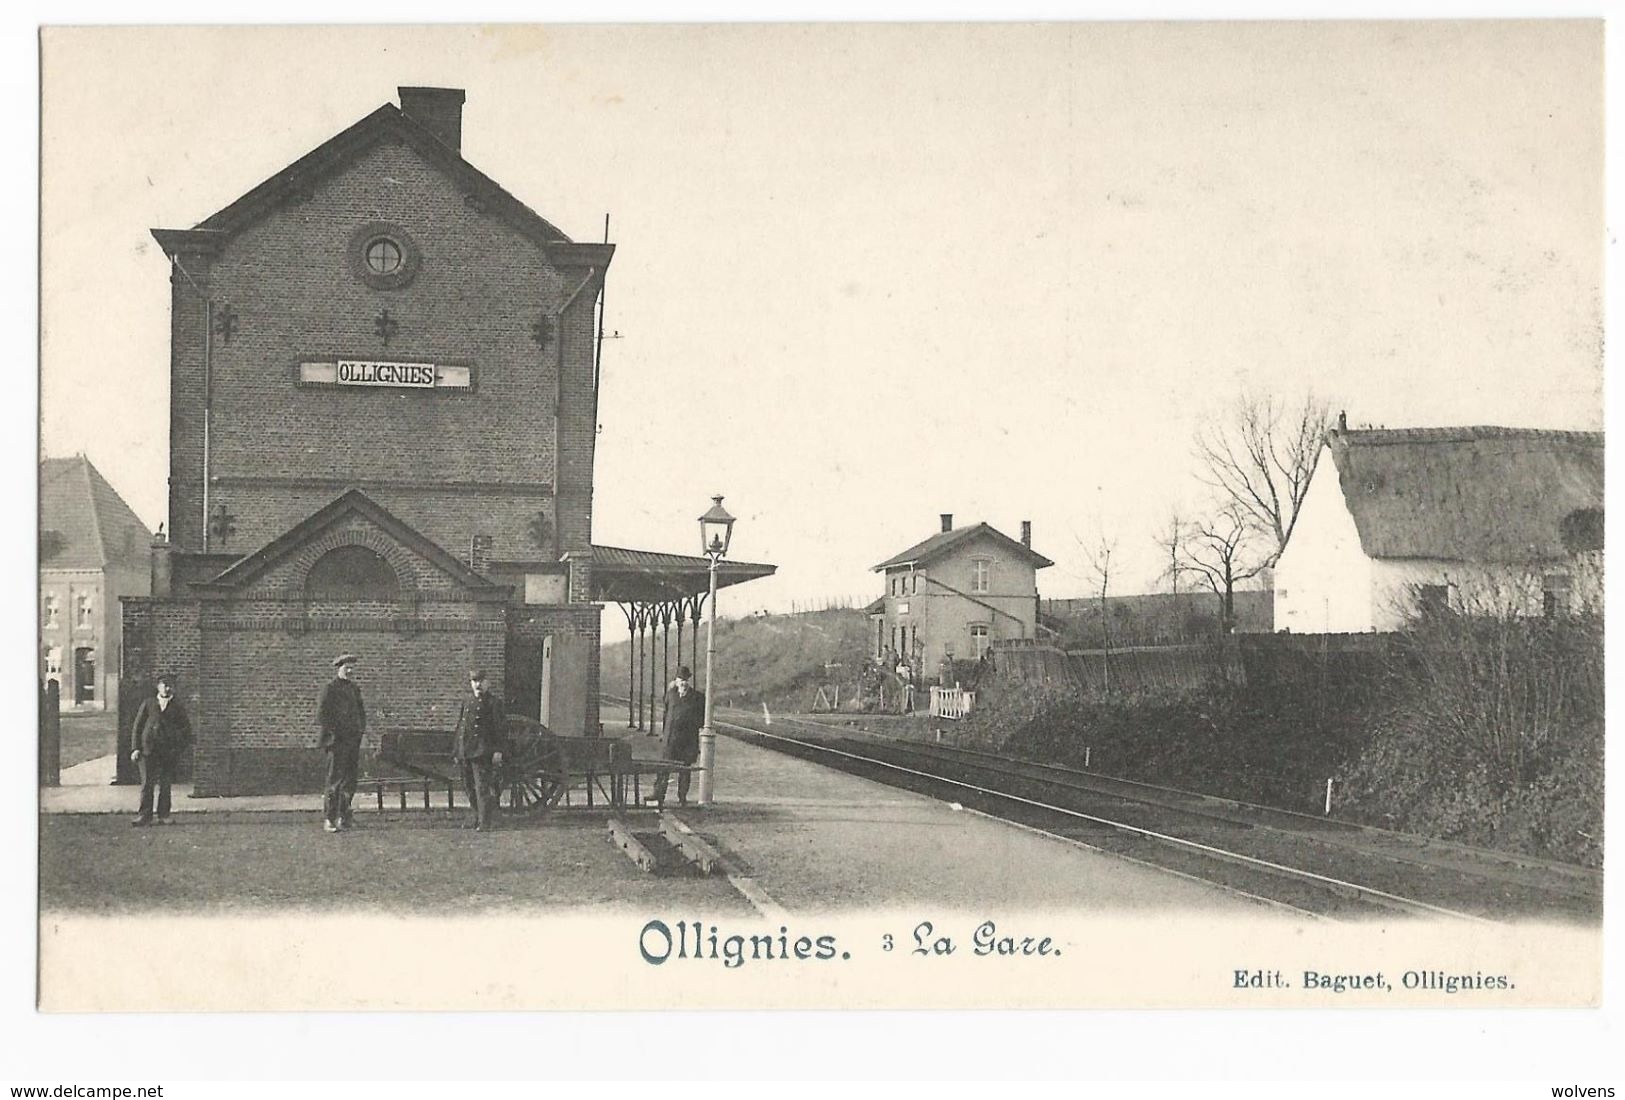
(383, 256)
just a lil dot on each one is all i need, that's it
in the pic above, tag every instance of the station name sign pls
(376, 372)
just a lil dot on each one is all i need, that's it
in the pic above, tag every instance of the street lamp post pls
(716, 531)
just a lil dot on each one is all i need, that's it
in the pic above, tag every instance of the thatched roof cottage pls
(1396, 521)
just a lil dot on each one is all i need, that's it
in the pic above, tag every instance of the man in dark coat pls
(481, 741)
(343, 719)
(685, 714)
(160, 735)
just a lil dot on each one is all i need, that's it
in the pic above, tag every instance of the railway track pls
(1315, 865)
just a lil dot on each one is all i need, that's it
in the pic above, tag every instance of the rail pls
(1329, 883)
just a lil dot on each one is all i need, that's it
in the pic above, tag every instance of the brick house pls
(93, 551)
(383, 395)
(1395, 520)
(955, 594)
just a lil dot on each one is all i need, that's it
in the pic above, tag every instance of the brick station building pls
(383, 401)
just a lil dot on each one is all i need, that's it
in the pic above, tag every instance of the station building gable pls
(260, 641)
(353, 551)
(381, 313)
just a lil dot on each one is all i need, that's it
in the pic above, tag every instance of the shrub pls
(1495, 738)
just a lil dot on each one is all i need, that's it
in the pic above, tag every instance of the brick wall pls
(159, 636)
(449, 520)
(270, 681)
(579, 621)
(280, 451)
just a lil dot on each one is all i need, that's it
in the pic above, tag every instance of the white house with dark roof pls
(1396, 520)
(93, 550)
(956, 593)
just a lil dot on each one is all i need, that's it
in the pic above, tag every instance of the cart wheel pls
(533, 767)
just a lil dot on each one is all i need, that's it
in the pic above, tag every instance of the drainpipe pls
(558, 411)
(208, 385)
(208, 404)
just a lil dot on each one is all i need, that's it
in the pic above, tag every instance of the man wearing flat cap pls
(481, 741)
(343, 720)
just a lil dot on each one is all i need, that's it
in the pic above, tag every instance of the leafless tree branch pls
(1260, 459)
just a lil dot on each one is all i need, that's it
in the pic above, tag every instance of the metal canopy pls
(649, 577)
(657, 592)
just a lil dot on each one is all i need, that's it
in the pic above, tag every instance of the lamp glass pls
(716, 529)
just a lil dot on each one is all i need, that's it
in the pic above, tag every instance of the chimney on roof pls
(947, 521)
(439, 110)
(1027, 533)
(1343, 421)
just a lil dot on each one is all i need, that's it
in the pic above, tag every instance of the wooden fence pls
(951, 702)
(1288, 661)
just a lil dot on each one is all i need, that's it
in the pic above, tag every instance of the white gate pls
(951, 702)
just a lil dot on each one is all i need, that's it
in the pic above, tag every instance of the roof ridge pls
(942, 540)
(118, 497)
(250, 205)
(95, 512)
(1463, 432)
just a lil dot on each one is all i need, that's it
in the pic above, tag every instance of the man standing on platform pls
(685, 714)
(481, 741)
(343, 720)
(160, 734)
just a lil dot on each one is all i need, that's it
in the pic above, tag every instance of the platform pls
(799, 837)
(816, 839)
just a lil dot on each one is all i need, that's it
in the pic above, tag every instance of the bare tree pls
(1100, 552)
(1261, 458)
(1221, 552)
(1169, 540)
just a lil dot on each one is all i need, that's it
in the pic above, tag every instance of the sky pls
(869, 274)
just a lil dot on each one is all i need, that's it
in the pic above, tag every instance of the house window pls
(913, 583)
(352, 573)
(982, 572)
(53, 608)
(53, 663)
(383, 256)
(86, 611)
(978, 640)
(84, 675)
(1432, 599)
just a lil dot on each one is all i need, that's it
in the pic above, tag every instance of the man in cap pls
(684, 715)
(343, 720)
(481, 740)
(159, 735)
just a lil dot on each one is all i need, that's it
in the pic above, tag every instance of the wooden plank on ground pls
(620, 835)
(695, 849)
